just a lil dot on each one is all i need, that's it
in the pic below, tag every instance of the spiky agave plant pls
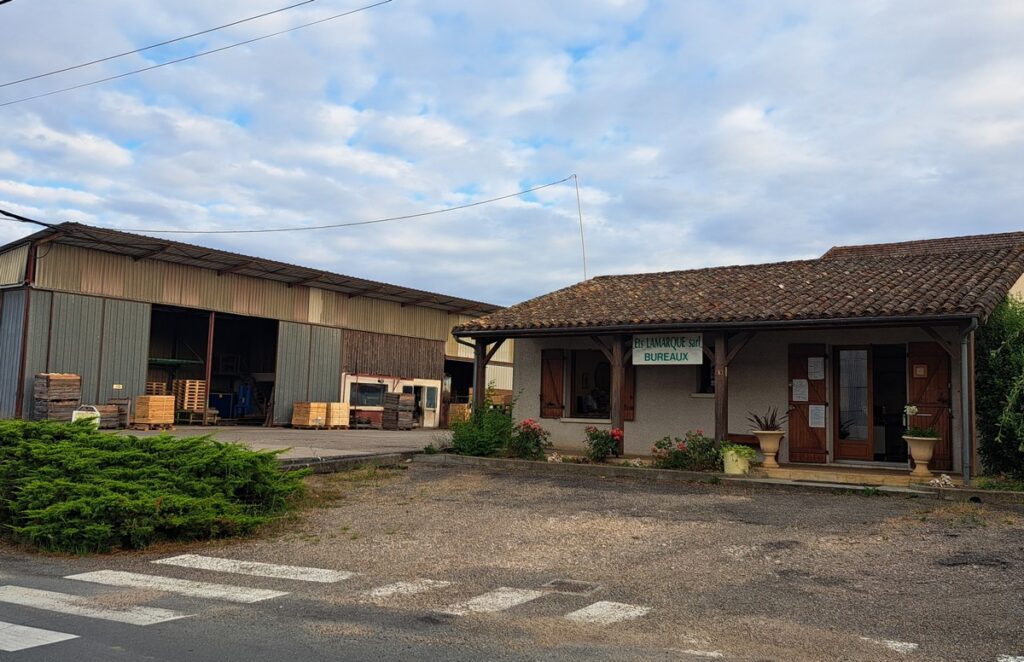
(769, 421)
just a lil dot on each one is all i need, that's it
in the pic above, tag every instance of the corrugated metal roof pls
(141, 247)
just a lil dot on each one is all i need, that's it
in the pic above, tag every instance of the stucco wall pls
(758, 378)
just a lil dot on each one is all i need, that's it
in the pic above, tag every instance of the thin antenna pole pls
(579, 209)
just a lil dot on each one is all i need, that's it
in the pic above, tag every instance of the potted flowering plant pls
(602, 443)
(921, 442)
(736, 458)
(767, 428)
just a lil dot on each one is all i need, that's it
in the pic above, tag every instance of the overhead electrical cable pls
(157, 45)
(195, 55)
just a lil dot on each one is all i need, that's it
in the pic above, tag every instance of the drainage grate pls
(571, 586)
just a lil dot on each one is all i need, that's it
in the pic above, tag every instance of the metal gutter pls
(717, 326)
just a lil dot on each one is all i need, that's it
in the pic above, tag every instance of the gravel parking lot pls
(726, 571)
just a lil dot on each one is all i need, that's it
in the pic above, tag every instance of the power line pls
(24, 219)
(355, 223)
(194, 55)
(162, 43)
(579, 210)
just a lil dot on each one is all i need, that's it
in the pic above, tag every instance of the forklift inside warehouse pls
(235, 354)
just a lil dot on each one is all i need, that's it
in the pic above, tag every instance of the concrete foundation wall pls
(666, 398)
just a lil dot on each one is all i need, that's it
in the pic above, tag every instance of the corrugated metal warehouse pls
(122, 310)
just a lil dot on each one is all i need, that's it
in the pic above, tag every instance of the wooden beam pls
(209, 364)
(618, 386)
(721, 388)
(741, 341)
(604, 347)
(946, 347)
(709, 352)
(479, 375)
(494, 350)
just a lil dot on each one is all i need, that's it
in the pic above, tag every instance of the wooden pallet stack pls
(189, 394)
(337, 415)
(156, 388)
(389, 420)
(110, 417)
(154, 411)
(406, 411)
(56, 395)
(309, 415)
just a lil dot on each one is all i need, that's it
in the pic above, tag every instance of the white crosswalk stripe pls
(606, 613)
(180, 586)
(497, 600)
(21, 637)
(257, 569)
(904, 647)
(398, 589)
(79, 606)
(1010, 658)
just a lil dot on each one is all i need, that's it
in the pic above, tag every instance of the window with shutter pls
(552, 384)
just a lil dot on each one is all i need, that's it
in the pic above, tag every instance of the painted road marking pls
(414, 587)
(20, 637)
(180, 586)
(295, 572)
(1010, 658)
(497, 600)
(606, 613)
(697, 653)
(79, 606)
(904, 647)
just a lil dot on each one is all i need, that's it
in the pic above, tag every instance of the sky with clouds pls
(703, 133)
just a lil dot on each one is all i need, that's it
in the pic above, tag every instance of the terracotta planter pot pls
(735, 465)
(769, 441)
(921, 449)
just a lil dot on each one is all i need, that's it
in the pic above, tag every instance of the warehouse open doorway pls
(237, 354)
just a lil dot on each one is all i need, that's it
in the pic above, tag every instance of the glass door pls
(853, 431)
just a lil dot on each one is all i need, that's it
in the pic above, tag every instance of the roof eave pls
(845, 322)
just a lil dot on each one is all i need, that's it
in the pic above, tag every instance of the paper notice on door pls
(816, 416)
(816, 367)
(799, 390)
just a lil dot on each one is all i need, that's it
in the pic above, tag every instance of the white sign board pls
(668, 349)
(800, 390)
(816, 416)
(816, 367)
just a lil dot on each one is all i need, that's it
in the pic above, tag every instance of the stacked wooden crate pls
(309, 415)
(156, 388)
(406, 411)
(154, 410)
(110, 417)
(389, 421)
(56, 395)
(189, 394)
(337, 415)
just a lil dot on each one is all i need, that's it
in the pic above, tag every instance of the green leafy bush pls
(694, 452)
(602, 443)
(487, 432)
(529, 441)
(999, 355)
(739, 450)
(69, 487)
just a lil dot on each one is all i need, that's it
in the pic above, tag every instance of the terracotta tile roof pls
(919, 279)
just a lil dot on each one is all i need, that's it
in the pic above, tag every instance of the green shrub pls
(69, 487)
(529, 441)
(999, 355)
(487, 432)
(694, 452)
(602, 443)
(739, 450)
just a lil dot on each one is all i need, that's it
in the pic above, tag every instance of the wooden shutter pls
(552, 383)
(629, 394)
(931, 393)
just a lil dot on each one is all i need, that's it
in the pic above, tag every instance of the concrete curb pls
(992, 497)
(326, 465)
(651, 475)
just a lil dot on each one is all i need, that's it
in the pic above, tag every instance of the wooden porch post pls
(479, 374)
(721, 388)
(618, 384)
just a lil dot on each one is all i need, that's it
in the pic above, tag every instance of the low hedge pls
(68, 487)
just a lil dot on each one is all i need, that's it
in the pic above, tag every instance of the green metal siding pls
(291, 383)
(12, 321)
(76, 327)
(325, 365)
(38, 340)
(124, 350)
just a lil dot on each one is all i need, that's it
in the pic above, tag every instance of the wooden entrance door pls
(853, 431)
(807, 403)
(931, 392)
